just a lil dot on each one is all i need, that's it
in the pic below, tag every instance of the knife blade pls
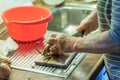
(79, 34)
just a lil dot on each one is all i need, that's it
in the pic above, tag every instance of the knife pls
(79, 34)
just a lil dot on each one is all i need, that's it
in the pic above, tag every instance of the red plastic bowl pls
(27, 23)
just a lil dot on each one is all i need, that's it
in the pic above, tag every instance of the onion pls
(5, 68)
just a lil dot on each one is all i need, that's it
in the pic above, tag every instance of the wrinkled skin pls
(61, 43)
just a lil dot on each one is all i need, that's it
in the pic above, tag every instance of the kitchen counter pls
(86, 70)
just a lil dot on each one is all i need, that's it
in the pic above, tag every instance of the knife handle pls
(82, 33)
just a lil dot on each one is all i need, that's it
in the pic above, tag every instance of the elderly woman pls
(107, 17)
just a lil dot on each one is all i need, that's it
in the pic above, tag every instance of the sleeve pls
(114, 32)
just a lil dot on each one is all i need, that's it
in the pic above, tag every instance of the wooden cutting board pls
(62, 61)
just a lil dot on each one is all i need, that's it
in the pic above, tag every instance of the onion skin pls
(5, 69)
(5, 60)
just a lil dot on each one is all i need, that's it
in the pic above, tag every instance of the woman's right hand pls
(89, 24)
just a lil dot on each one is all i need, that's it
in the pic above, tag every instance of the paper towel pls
(7, 46)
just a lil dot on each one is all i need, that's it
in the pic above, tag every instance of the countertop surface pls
(86, 70)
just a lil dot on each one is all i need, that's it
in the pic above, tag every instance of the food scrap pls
(47, 55)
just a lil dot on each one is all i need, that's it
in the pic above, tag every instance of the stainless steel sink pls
(68, 17)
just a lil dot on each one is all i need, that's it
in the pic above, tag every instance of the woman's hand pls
(89, 24)
(61, 43)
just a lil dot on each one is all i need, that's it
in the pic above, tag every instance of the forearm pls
(100, 43)
(93, 13)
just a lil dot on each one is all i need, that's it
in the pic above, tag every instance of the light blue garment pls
(109, 19)
(102, 75)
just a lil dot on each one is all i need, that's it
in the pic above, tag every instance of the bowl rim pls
(45, 19)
